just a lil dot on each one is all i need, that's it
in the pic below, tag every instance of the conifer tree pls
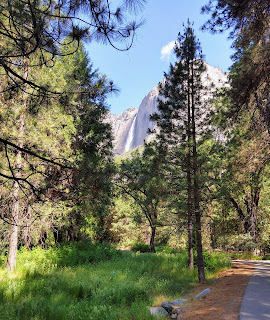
(178, 122)
(39, 28)
(40, 31)
(249, 24)
(73, 129)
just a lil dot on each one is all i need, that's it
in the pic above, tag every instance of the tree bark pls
(252, 202)
(190, 228)
(15, 212)
(42, 238)
(240, 213)
(189, 186)
(152, 240)
(13, 245)
(250, 218)
(201, 273)
(58, 234)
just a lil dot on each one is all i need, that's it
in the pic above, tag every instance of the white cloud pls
(166, 51)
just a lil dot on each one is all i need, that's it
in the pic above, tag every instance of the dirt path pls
(224, 300)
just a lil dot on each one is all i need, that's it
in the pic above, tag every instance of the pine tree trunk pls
(190, 226)
(13, 243)
(15, 212)
(201, 273)
(14, 230)
(189, 187)
(152, 240)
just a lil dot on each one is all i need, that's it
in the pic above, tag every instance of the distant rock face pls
(131, 127)
(142, 125)
(121, 125)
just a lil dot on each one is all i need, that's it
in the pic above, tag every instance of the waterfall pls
(128, 145)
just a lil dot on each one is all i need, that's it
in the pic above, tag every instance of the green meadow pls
(87, 281)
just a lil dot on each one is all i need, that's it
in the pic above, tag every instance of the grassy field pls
(95, 282)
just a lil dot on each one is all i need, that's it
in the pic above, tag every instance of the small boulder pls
(176, 314)
(167, 306)
(178, 302)
(202, 293)
(178, 310)
(156, 311)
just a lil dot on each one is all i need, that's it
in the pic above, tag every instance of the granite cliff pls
(130, 128)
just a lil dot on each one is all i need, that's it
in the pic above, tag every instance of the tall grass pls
(93, 282)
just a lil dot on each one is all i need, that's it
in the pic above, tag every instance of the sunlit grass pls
(113, 286)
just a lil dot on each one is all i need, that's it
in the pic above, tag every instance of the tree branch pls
(6, 142)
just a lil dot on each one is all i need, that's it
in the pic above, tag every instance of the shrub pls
(68, 255)
(168, 249)
(214, 261)
(141, 247)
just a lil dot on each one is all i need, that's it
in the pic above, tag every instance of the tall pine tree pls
(178, 123)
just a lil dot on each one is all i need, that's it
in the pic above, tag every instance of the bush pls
(141, 247)
(214, 261)
(168, 249)
(3, 259)
(69, 255)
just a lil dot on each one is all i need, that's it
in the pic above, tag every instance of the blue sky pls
(138, 70)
